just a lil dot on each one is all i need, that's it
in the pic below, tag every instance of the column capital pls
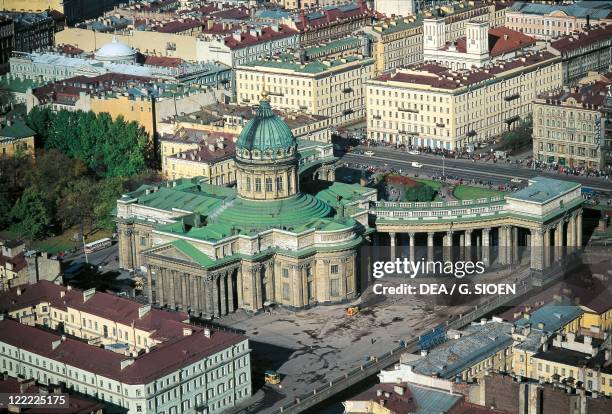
(431, 233)
(468, 231)
(411, 234)
(450, 232)
(486, 230)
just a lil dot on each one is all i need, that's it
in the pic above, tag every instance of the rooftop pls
(159, 361)
(502, 40)
(577, 40)
(438, 76)
(477, 342)
(553, 316)
(329, 15)
(16, 129)
(575, 358)
(594, 9)
(256, 36)
(590, 96)
(542, 189)
(291, 63)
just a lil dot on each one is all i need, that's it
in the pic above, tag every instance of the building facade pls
(548, 21)
(584, 52)
(128, 355)
(16, 138)
(433, 106)
(567, 126)
(32, 31)
(331, 88)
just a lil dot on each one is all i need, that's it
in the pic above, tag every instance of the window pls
(248, 183)
(285, 291)
(334, 287)
(258, 185)
(334, 269)
(269, 185)
(285, 272)
(279, 183)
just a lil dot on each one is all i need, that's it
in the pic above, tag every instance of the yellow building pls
(137, 109)
(334, 89)
(566, 126)
(433, 106)
(399, 42)
(13, 265)
(16, 139)
(100, 318)
(192, 153)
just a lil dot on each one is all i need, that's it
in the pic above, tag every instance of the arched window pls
(279, 183)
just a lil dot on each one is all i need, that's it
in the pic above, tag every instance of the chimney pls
(399, 390)
(87, 294)
(126, 363)
(18, 290)
(187, 331)
(62, 293)
(55, 344)
(207, 332)
(143, 310)
(379, 393)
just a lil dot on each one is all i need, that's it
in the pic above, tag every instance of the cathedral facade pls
(211, 250)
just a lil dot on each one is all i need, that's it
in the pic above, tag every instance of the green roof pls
(17, 85)
(18, 129)
(193, 253)
(265, 131)
(542, 189)
(288, 62)
(347, 192)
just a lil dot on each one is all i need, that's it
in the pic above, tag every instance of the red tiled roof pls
(330, 16)
(178, 26)
(165, 61)
(575, 41)
(205, 154)
(469, 408)
(267, 34)
(18, 261)
(161, 360)
(234, 13)
(590, 96)
(502, 40)
(389, 398)
(439, 76)
(118, 309)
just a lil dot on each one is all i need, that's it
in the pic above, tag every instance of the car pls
(414, 152)
(417, 165)
(369, 153)
(516, 180)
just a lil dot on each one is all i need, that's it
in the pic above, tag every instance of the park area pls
(395, 187)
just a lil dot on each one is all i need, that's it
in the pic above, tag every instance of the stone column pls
(537, 236)
(579, 230)
(215, 295)
(448, 246)
(486, 239)
(392, 245)
(184, 292)
(304, 282)
(208, 292)
(257, 302)
(468, 244)
(171, 288)
(462, 246)
(159, 286)
(149, 285)
(546, 248)
(223, 292)
(430, 246)
(571, 233)
(231, 306)
(502, 245)
(412, 247)
(559, 241)
(239, 287)
(515, 244)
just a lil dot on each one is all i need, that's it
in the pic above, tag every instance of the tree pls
(39, 120)
(32, 214)
(519, 136)
(6, 203)
(108, 190)
(419, 193)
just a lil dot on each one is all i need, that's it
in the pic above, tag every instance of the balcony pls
(347, 112)
(414, 111)
(440, 125)
(347, 90)
(376, 117)
(511, 97)
(471, 133)
(512, 119)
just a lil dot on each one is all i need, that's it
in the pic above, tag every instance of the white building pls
(136, 358)
(479, 47)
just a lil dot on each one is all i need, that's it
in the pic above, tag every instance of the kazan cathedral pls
(211, 250)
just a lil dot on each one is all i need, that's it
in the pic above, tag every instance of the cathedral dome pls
(116, 51)
(266, 136)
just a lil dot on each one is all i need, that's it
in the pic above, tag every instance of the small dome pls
(116, 51)
(265, 136)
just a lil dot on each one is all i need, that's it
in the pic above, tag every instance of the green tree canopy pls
(32, 213)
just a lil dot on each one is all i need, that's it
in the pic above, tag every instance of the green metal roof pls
(543, 189)
(18, 129)
(193, 253)
(265, 131)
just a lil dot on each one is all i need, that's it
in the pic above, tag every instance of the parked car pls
(369, 153)
(414, 152)
(417, 165)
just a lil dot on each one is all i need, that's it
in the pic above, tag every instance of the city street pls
(498, 173)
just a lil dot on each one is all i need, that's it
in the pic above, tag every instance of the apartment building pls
(547, 21)
(132, 357)
(429, 105)
(331, 88)
(567, 126)
(16, 138)
(584, 52)
(13, 265)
